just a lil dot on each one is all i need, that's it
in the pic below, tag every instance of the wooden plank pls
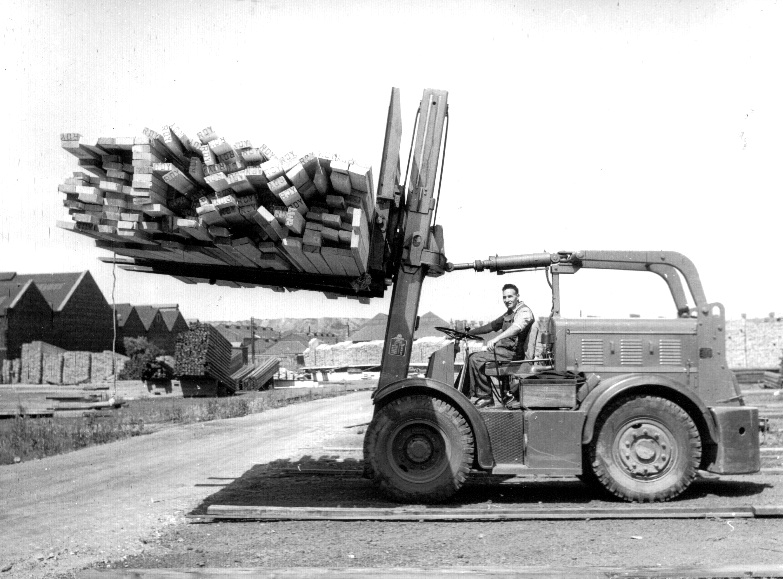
(342, 258)
(748, 571)
(239, 182)
(294, 221)
(278, 185)
(293, 249)
(361, 178)
(272, 169)
(330, 235)
(320, 179)
(209, 215)
(156, 210)
(476, 514)
(359, 252)
(292, 199)
(341, 182)
(253, 156)
(336, 202)
(297, 175)
(268, 224)
(313, 253)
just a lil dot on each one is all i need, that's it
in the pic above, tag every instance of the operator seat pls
(504, 371)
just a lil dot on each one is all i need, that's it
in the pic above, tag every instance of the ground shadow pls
(330, 481)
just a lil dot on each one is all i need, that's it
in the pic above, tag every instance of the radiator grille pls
(670, 352)
(630, 352)
(592, 352)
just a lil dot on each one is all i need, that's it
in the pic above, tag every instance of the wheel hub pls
(645, 449)
(418, 452)
(418, 449)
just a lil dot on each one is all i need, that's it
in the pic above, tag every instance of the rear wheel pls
(647, 449)
(419, 449)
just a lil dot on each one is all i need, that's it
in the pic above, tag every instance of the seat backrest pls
(530, 342)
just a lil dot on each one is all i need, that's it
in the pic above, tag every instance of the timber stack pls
(203, 351)
(205, 210)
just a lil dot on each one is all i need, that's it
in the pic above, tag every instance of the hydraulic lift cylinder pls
(526, 261)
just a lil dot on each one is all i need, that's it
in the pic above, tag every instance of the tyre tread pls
(383, 481)
(601, 474)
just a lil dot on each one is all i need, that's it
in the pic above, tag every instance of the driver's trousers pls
(476, 382)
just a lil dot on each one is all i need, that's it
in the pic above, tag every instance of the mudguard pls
(654, 384)
(451, 395)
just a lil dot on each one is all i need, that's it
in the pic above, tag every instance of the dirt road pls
(124, 504)
(105, 502)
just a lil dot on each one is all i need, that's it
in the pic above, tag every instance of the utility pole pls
(745, 336)
(252, 341)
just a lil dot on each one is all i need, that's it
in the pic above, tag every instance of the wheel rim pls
(418, 452)
(646, 449)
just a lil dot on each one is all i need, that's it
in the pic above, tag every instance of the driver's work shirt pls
(520, 318)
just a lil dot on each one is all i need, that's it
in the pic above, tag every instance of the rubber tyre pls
(418, 449)
(647, 449)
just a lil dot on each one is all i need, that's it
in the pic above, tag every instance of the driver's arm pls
(522, 319)
(492, 326)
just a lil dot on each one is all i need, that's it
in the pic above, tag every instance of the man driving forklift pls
(513, 325)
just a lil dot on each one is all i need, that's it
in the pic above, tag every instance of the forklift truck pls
(637, 406)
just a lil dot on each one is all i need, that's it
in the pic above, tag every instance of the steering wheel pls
(457, 335)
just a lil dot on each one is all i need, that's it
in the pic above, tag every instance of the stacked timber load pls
(104, 365)
(424, 347)
(165, 199)
(76, 367)
(53, 368)
(11, 372)
(203, 351)
(34, 356)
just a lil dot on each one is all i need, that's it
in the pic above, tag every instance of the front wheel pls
(418, 449)
(647, 449)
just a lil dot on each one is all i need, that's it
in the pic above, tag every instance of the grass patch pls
(31, 438)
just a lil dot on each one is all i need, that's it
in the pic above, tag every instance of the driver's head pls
(510, 296)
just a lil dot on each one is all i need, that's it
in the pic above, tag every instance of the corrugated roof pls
(232, 334)
(56, 288)
(301, 338)
(122, 311)
(146, 315)
(285, 347)
(170, 316)
(10, 292)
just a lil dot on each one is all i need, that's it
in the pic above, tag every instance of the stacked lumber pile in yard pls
(772, 379)
(11, 371)
(203, 351)
(33, 361)
(43, 363)
(170, 203)
(256, 376)
(367, 353)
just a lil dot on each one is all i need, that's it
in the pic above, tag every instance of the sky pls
(573, 125)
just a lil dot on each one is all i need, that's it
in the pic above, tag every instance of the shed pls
(82, 318)
(289, 351)
(25, 315)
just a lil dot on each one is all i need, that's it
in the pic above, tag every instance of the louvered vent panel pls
(592, 352)
(670, 352)
(630, 352)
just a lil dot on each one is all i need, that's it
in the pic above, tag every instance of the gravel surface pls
(125, 505)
